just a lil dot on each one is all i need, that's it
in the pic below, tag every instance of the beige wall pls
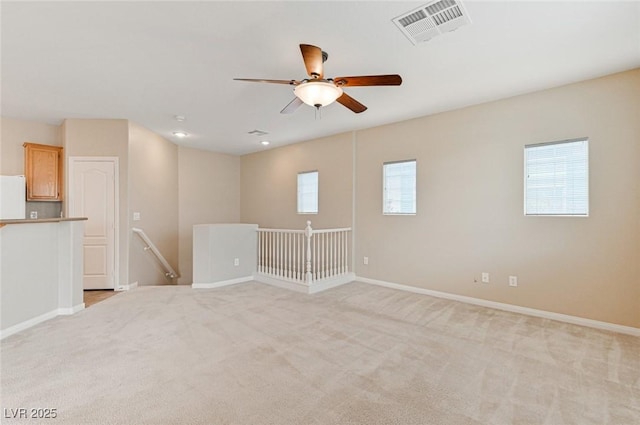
(14, 133)
(470, 200)
(470, 203)
(90, 137)
(209, 192)
(470, 196)
(153, 192)
(269, 184)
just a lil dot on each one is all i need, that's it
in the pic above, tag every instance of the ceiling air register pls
(432, 19)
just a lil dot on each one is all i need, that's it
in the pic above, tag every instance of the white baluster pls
(334, 255)
(308, 232)
(286, 254)
(323, 264)
(344, 252)
(338, 252)
(316, 263)
(279, 266)
(329, 254)
(346, 255)
(264, 252)
(339, 259)
(301, 265)
(295, 256)
(289, 275)
(259, 252)
(341, 243)
(325, 254)
(300, 256)
(272, 254)
(281, 245)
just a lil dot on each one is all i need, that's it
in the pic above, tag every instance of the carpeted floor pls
(359, 354)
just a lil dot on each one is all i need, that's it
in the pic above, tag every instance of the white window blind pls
(308, 192)
(399, 187)
(557, 178)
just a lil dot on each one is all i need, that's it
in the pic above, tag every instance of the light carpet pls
(358, 354)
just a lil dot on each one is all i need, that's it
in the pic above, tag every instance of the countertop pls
(39, 220)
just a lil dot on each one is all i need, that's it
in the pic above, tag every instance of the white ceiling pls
(149, 61)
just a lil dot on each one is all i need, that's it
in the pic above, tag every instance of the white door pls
(92, 194)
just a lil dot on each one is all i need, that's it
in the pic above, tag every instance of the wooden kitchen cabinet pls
(43, 172)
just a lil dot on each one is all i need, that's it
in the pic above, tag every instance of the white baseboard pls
(221, 283)
(70, 310)
(314, 288)
(28, 324)
(128, 287)
(39, 319)
(284, 284)
(628, 330)
(323, 285)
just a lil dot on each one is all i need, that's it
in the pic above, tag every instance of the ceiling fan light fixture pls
(318, 93)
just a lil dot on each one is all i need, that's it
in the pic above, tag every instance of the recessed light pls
(180, 134)
(264, 142)
(179, 118)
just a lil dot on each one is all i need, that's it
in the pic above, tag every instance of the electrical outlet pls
(236, 261)
(513, 280)
(136, 216)
(33, 215)
(485, 277)
(365, 260)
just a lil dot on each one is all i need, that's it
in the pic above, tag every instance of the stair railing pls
(150, 246)
(303, 256)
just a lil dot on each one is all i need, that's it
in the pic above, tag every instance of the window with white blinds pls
(557, 178)
(399, 187)
(308, 192)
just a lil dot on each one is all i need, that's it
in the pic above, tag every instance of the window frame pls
(415, 187)
(317, 192)
(585, 140)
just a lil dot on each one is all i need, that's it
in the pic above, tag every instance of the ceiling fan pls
(317, 91)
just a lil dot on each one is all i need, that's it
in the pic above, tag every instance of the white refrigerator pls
(12, 197)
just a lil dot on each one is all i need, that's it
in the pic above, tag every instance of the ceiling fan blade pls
(292, 106)
(254, 80)
(351, 103)
(312, 56)
(369, 80)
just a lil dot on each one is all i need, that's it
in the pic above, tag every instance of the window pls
(556, 178)
(308, 192)
(399, 187)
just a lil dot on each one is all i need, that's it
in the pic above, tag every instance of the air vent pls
(257, 132)
(432, 19)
